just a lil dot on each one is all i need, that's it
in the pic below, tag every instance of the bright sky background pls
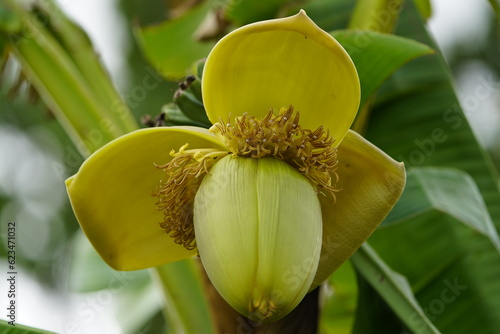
(451, 21)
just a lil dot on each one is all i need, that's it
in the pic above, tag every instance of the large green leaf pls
(419, 107)
(443, 209)
(377, 55)
(447, 252)
(373, 313)
(452, 267)
(446, 190)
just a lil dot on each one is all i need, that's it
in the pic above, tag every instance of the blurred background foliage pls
(69, 286)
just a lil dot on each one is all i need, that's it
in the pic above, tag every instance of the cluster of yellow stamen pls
(176, 196)
(310, 152)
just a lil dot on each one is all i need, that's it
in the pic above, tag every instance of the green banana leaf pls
(6, 328)
(393, 288)
(452, 268)
(424, 7)
(171, 47)
(451, 192)
(377, 56)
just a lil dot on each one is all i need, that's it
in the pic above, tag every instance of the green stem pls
(182, 288)
(59, 85)
(80, 48)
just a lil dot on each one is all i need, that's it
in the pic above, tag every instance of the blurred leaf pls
(327, 14)
(138, 303)
(5, 328)
(418, 119)
(154, 325)
(246, 11)
(393, 288)
(79, 47)
(136, 67)
(451, 192)
(88, 272)
(61, 84)
(171, 47)
(425, 8)
(496, 6)
(375, 15)
(9, 20)
(138, 299)
(378, 55)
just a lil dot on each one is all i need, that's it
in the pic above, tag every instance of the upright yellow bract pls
(274, 197)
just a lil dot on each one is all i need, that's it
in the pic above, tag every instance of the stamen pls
(176, 196)
(310, 152)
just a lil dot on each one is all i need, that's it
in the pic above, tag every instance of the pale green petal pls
(277, 63)
(258, 230)
(112, 197)
(371, 183)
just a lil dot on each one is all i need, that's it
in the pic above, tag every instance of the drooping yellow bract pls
(269, 226)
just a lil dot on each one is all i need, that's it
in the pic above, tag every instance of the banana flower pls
(274, 197)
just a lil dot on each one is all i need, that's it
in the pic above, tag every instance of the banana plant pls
(313, 173)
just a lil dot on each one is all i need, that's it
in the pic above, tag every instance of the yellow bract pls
(277, 63)
(111, 196)
(371, 182)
